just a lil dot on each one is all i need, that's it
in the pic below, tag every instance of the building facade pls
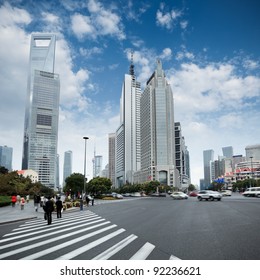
(157, 131)
(6, 157)
(208, 158)
(97, 166)
(67, 165)
(111, 157)
(127, 145)
(253, 151)
(42, 111)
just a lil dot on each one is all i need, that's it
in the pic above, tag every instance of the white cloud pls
(101, 22)
(11, 16)
(169, 19)
(166, 54)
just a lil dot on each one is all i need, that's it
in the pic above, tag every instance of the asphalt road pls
(158, 228)
(192, 229)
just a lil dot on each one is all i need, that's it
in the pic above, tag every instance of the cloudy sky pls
(209, 51)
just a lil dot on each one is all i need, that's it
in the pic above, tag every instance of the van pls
(252, 192)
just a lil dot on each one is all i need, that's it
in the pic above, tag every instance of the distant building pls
(97, 166)
(33, 175)
(6, 157)
(208, 157)
(67, 165)
(111, 157)
(253, 151)
(228, 152)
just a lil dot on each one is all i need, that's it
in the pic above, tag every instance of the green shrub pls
(5, 201)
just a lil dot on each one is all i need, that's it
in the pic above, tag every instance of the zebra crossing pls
(80, 235)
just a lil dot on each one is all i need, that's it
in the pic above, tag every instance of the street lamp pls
(251, 172)
(85, 138)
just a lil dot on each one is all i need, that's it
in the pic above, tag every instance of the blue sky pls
(209, 50)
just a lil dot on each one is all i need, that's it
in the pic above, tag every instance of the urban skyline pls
(210, 56)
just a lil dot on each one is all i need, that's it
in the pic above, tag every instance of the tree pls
(99, 185)
(150, 186)
(74, 183)
(191, 188)
(3, 170)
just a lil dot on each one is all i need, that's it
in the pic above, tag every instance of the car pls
(119, 196)
(226, 193)
(209, 195)
(179, 195)
(193, 194)
(252, 192)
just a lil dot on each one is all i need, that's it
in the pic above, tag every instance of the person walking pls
(87, 200)
(27, 198)
(49, 209)
(81, 203)
(13, 199)
(22, 202)
(36, 200)
(58, 207)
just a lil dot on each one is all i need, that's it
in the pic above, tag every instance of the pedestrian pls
(18, 198)
(27, 198)
(81, 203)
(22, 202)
(13, 199)
(58, 207)
(36, 200)
(49, 209)
(92, 201)
(87, 200)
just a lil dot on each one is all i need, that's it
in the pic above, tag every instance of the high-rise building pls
(128, 133)
(42, 110)
(67, 166)
(6, 157)
(228, 152)
(181, 158)
(157, 131)
(253, 151)
(97, 166)
(208, 157)
(111, 157)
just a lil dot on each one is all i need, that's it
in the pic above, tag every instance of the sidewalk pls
(9, 214)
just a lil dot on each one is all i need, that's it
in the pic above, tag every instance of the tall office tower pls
(228, 152)
(181, 158)
(67, 165)
(111, 157)
(97, 166)
(157, 131)
(6, 157)
(128, 133)
(208, 157)
(253, 151)
(57, 183)
(42, 110)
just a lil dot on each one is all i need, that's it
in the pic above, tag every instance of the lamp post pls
(85, 138)
(251, 171)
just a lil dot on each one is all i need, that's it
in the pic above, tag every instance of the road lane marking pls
(89, 246)
(143, 252)
(65, 244)
(116, 248)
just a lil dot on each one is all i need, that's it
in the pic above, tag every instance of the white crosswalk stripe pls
(77, 235)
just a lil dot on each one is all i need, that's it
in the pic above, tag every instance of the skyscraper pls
(228, 152)
(157, 130)
(253, 151)
(208, 157)
(42, 110)
(67, 165)
(128, 133)
(6, 157)
(111, 157)
(97, 166)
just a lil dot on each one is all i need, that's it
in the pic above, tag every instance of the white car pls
(252, 192)
(179, 195)
(209, 195)
(226, 193)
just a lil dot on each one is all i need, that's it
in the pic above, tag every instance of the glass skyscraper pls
(128, 134)
(67, 166)
(42, 110)
(6, 157)
(208, 158)
(157, 130)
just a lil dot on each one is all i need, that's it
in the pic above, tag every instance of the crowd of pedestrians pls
(49, 204)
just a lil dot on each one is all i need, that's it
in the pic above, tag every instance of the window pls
(44, 120)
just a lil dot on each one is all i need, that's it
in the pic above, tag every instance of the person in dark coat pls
(58, 207)
(48, 210)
